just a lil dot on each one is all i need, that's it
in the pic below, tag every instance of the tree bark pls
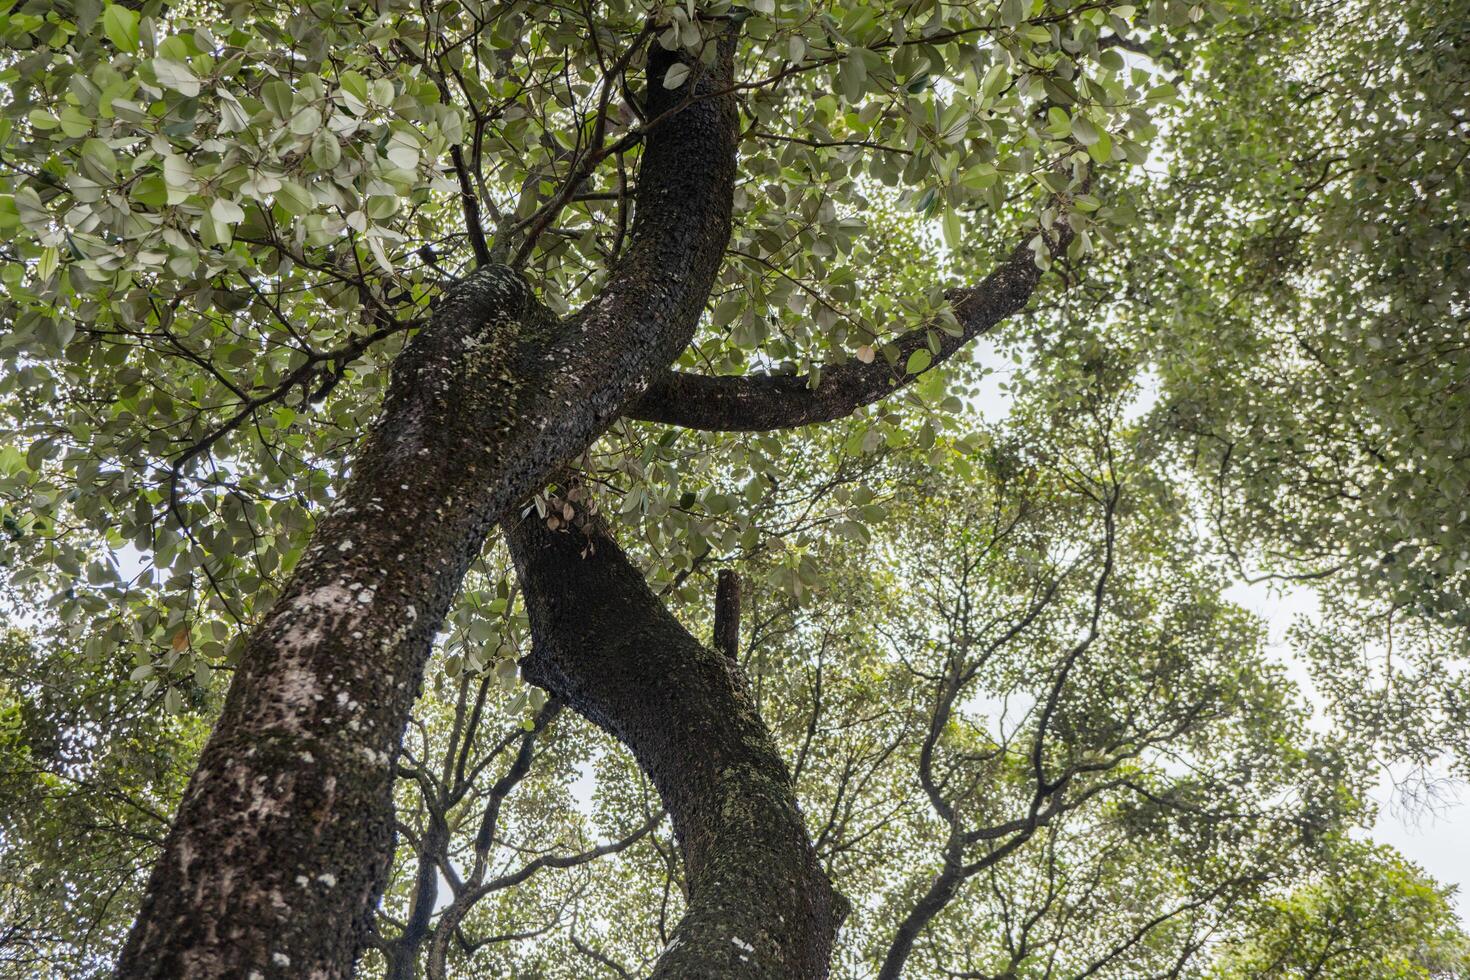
(283, 839)
(727, 613)
(939, 893)
(759, 905)
(761, 402)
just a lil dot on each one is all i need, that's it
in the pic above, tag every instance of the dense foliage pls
(984, 618)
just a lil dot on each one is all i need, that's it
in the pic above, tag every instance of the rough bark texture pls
(727, 613)
(759, 905)
(282, 842)
(761, 402)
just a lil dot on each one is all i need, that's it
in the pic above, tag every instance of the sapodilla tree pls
(236, 194)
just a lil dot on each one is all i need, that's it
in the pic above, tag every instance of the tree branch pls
(471, 204)
(760, 402)
(727, 613)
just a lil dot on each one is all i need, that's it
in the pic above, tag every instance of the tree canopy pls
(390, 388)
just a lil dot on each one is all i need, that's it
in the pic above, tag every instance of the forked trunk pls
(283, 839)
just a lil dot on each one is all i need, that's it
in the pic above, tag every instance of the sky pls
(1438, 838)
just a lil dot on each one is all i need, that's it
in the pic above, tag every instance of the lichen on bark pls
(292, 796)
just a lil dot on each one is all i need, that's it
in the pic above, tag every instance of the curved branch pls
(303, 374)
(759, 904)
(452, 922)
(761, 402)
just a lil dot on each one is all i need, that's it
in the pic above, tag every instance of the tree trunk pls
(283, 839)
(759, 905)
(403, 953)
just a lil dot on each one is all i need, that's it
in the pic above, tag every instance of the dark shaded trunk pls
(727, 614)
(403, 953)
(947, 883)
(759, 905)
(283, 839)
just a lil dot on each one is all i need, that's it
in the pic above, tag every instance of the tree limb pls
(760, 402)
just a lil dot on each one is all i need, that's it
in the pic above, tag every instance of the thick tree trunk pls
(759, 905)
(282, 841)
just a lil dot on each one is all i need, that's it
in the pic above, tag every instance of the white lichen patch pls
(308, 614)
(296, 689)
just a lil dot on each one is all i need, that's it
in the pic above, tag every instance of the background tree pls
(1350, 922)
(1313, 193)
(89, 772)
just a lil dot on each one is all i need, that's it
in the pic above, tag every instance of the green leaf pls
(852, 78)
(676, 75)
(50, 260)
(177, 76)
(100, 156)
(1058, 122)
(918, 361)
(121, 26)
(307, 121)
(294, 198)
(952, 231)
(73, 123)
(326, 151)
(226, 211)
(381, 206)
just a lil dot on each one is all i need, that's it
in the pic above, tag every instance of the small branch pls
(727, 613)
(585, 163)
(822, 144)
(598, 957)
(471, 205)
(522, 765)
(308, 369)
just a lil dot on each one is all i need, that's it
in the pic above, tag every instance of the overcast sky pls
(1435, 838)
